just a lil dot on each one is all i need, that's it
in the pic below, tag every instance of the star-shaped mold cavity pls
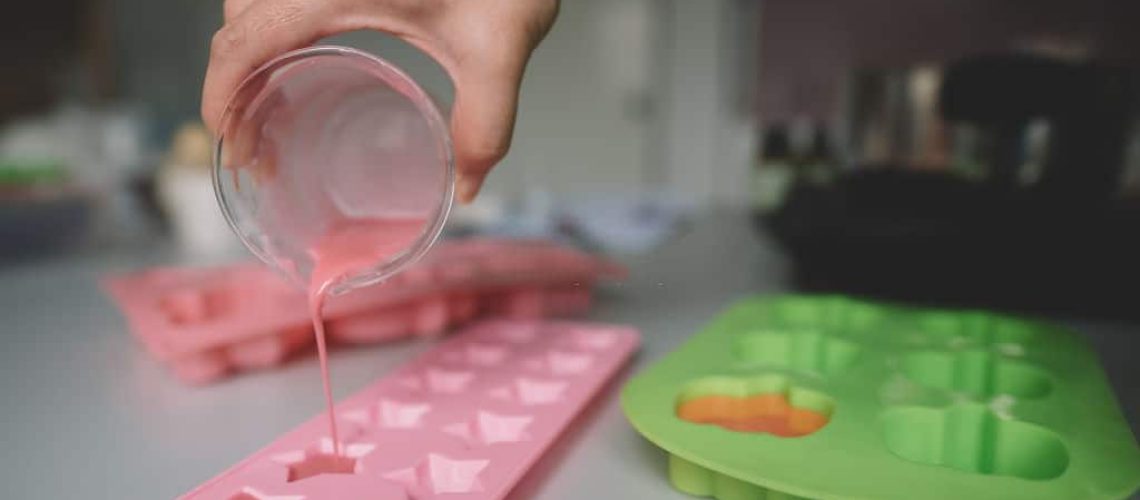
(190, 306)
(390, 414)
(438, 380)
(452, 357)
(441, 474)
(594, 340)
(568, 363)
(478, 354)
(485, 354)
(248, 493)
(322, 459)
(530, 391)
(561, 362)
(516, 333)
(490, 428)
(411, 382)
(447, 381)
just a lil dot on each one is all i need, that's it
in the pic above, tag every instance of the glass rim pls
(387, 73)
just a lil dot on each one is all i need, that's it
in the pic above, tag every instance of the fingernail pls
(466, 188)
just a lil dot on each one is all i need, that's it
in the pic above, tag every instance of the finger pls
(247, 140)
(233, 8)
(483, 119)
(265, 29)
(238, 135)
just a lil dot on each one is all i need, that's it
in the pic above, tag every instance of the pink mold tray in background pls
(464, 421)
(208, 322)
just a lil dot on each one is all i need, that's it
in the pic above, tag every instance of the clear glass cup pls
(325, 136)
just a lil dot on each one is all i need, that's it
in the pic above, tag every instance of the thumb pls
(483, 119)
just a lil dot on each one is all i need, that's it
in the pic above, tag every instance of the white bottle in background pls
(186, 193)
(773, 176)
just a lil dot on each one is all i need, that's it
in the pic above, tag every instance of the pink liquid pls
(346, 249)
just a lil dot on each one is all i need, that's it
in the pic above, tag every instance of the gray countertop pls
(87, 414)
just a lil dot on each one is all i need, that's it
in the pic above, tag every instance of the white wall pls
(622, 94)
(709, 129)
(579, 126)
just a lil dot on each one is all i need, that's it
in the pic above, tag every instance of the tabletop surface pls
(87, 414)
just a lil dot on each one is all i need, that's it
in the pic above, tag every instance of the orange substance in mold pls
(770, 413)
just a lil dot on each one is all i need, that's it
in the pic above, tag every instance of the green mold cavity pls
(825, 312)
(981, 374)
(970, 438)
(977, 328)
(805, 350)
(994, 408)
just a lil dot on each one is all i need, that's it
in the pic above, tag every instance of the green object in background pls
(21, 173)
(922, 404)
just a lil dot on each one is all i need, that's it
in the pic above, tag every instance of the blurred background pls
(956, 151)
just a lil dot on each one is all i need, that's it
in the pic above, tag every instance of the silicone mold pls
(189, 318)
(464, 421)
(825, 397)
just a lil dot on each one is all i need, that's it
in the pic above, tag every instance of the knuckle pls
(412, 9)
(226, 41)
(279, 15)
(231, 8)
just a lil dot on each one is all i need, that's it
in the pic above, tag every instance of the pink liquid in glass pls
(334, 167)
(348, 248)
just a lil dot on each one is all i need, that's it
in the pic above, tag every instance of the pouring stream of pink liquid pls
(346, 249)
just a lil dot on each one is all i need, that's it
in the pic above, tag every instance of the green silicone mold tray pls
(826, 397)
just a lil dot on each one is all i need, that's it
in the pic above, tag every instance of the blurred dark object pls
(1064, 242)
(40, 213)
(808, 48)
(46, 45)
(143, 188)
(892, 118)
(1089, 108)
(32, 228)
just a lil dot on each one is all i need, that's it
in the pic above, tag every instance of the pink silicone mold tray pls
(463, 421)
(190, 318)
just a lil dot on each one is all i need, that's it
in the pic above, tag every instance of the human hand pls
(483, 45)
